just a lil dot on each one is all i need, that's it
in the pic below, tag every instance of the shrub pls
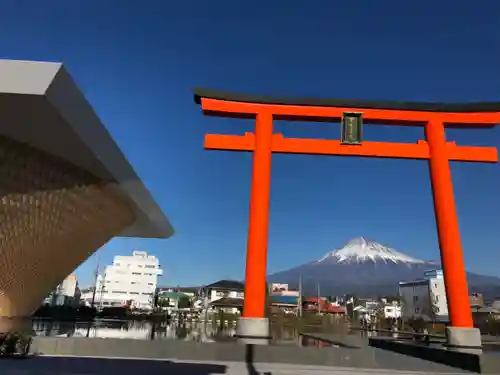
(16, 343)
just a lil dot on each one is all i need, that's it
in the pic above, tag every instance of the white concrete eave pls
(40, 104)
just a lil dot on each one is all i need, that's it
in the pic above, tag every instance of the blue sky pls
(137, 62)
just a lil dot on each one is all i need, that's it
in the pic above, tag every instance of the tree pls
(352, 298)
(350, 302)
(267, 311)
(391, 299)
(402, 307)
(380, 312)
(184, 303)
(162, 302)
(155, 299)
(434, 307)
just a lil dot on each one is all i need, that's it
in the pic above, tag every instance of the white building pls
(425, 298)
(392, 311)
(225, 294)
(224, 289)
(129, 280)
(283, 290)
(66, 293)
(69, 286)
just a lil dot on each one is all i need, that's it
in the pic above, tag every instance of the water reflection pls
(142, 330)
(195, 331)
(138, 330)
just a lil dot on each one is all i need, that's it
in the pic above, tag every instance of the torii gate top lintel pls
(473, 114)
(434, 116)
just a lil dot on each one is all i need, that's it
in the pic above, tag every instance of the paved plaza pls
(45, 365)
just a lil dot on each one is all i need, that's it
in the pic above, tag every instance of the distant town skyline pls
(138, 66)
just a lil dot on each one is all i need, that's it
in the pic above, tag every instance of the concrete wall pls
(363, 357)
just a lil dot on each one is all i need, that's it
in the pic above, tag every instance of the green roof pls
(173, 295)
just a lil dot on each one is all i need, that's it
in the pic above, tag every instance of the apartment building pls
(425, 298)
(130, 280)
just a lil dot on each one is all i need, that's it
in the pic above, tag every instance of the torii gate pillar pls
(253, 326)
(461, 334)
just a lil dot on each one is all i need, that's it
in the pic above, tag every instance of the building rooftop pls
(181, 289)
(43, 107)
(227, 285)
(284, 300)
(172, 295)
(227, 302)
(325, 306)
(414, 282)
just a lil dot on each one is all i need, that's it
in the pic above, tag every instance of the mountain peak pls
(361, 249)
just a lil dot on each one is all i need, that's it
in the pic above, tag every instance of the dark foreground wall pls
(480, 363)
(363, 357)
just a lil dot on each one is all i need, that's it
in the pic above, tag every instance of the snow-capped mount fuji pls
(367, 268)
(361, 249)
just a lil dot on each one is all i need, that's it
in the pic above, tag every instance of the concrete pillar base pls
(464, 340)
(253, 331)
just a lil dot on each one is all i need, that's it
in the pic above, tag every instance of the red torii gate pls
(433, 116)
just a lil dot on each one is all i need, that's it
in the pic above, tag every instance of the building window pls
(136, 273)
(437, 298)
(118, 292)
(135, 293)
(415, 298)
(149, 266)
(147, 294)
(417, 310)
(150, 284)
(133, 282)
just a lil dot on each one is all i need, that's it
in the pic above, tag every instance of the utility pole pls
(96, 274)
(103, 284)
(319, 304)
(300, 297)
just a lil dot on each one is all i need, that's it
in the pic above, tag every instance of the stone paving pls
(45, 365)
